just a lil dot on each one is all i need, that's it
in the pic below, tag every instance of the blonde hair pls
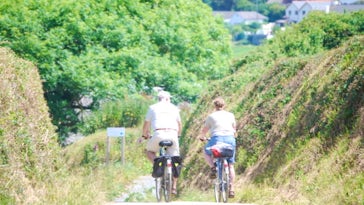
(219, 103)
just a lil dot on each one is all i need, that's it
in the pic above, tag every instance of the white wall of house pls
(236, 19)
(241, 17)
(296, 11)
(303, 11)
(292, 12)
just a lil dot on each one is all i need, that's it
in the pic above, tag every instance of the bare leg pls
(174, 185)
(209, 160)
(151, 156)
(232, 176)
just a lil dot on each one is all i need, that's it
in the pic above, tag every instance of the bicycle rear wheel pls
(218, 181)
(217, 191)
(167, 183)
(225, 180)
(158, 188)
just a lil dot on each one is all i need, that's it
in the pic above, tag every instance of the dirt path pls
(175, 202)
(139, 186)
(145, 183)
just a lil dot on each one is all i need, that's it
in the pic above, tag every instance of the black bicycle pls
(162, 171)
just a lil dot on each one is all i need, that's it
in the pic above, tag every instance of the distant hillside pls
(300, 128)
(28, 146)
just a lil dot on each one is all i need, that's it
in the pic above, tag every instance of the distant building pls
(287, 2)
(297, 10)
(241, 17)
(346, 8)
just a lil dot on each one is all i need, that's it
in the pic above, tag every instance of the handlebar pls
(204, 139)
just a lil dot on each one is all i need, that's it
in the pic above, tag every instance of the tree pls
(105, 50)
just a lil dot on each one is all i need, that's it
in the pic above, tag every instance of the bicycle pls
(220, 153)
(163, 179)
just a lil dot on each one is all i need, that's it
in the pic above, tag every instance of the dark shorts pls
(226, 139)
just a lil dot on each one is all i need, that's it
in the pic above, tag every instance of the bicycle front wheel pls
(167, 184)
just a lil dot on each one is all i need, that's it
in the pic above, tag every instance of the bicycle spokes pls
(221, 187)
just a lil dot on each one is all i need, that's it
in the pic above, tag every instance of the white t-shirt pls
(221, 123)
(163, 115)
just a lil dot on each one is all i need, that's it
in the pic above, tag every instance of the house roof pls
(325, 5)
(319, 5)
(298, 4)
(346, 8)
(315, 5)
(247, 15)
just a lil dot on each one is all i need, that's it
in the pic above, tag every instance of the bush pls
(128, 112)
(317, 32)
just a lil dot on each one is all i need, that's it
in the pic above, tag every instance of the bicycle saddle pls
(165, 143)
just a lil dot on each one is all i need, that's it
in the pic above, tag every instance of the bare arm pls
(179, 128)
(146, 129)
(204, 131)
(234, 127)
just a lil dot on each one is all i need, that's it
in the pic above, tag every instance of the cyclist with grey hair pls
(164, 121)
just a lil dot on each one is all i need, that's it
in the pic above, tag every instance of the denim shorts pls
(226, 139)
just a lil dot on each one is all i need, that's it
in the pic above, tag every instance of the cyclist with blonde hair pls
(221, 125)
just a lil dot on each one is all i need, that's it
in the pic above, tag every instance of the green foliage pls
(238, 31)
(127, 113)
(242, 50)
(317, 32)
(300, 120)
(274, 11)
(106, 50)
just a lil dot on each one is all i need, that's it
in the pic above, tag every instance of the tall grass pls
(29, 154)
(292, 114)
(91, 181)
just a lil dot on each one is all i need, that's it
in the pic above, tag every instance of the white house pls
(241, 17)
(297, 10)
(293, 14)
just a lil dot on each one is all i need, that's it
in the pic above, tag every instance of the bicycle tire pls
(225, 181)
(217, 187)
(167, 184)
(158, 188)
(217, 191)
